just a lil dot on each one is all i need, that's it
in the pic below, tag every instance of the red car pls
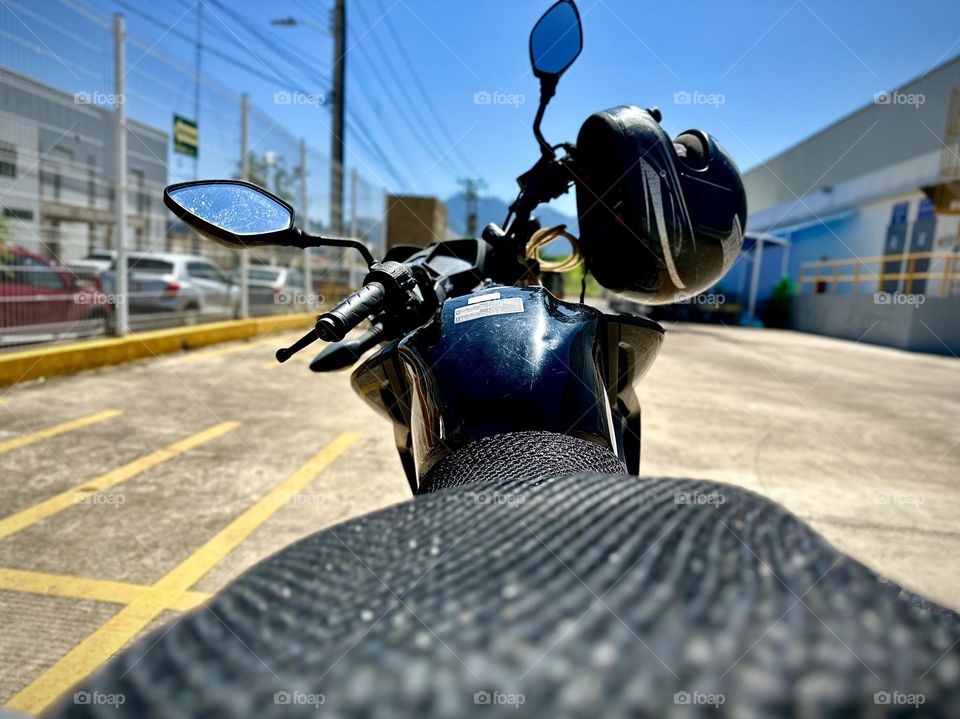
(34, 291)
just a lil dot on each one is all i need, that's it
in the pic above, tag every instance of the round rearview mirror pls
(230, 211)
(556, 40)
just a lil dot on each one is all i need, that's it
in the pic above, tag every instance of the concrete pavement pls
(151, 485)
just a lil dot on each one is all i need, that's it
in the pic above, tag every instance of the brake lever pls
(285, 353)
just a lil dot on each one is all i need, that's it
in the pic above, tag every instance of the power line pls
(418, 137)
(165, 26)
(294, 61)
(363, 132)
(423, 92)
(435, 149)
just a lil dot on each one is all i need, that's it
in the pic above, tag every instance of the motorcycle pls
(540, 589)
(471, 346)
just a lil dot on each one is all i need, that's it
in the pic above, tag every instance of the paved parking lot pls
(131, 494)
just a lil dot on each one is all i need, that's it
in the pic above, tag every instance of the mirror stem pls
(548, 87)
(306, 241)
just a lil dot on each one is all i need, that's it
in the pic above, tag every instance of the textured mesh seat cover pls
(589, 595)
(520, 455)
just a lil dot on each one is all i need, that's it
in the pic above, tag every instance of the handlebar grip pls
(334, 325)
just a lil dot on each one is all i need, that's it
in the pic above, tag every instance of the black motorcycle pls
(554, 583)
(476, 350)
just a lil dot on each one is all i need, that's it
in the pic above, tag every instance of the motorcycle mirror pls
(556, 41)
(239, 214)
(234, 213)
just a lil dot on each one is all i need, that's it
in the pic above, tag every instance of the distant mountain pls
(493, 209)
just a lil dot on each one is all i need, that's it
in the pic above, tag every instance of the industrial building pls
(57, 172)
(861, 217)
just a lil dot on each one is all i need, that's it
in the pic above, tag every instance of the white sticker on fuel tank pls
(510, 305)
(483, 298)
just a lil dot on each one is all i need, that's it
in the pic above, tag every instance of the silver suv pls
(171, 282)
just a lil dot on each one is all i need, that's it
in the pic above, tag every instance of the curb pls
(70, 358)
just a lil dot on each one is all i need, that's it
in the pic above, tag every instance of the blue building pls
(867, 211)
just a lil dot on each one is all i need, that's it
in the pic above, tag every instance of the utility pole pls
(471, 191)
(339, 108)
(122, 307)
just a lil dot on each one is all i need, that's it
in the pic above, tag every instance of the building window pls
(16, 214)
(8, 160)
(140, 193)
(91, 180)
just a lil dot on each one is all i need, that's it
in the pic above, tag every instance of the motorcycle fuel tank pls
(508, 359)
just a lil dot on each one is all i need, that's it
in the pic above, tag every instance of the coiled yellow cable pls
(545, 236)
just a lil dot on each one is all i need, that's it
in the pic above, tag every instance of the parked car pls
(35, 291)
(93, 265)
(171, 282)
(282, 287)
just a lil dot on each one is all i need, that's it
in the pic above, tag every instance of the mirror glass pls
(556, 39)
(238, 209)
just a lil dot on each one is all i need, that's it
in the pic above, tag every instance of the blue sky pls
(766, 73)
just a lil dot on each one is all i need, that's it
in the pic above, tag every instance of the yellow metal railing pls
(828, 275)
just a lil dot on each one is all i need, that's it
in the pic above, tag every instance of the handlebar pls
(334, 325)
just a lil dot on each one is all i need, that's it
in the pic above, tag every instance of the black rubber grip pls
(334, 325)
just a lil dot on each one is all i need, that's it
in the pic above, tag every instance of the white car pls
(282, 287)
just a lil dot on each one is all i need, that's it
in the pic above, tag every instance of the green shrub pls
(776, 310)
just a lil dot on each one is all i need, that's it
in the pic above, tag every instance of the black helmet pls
(660, 221)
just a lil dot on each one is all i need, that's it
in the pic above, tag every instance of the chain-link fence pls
(58, 183)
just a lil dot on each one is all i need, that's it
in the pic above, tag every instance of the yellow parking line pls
(129, 621)
(31, 437)
(64, 500)
(100, 590)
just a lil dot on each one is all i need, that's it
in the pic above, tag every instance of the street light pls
(293, 22)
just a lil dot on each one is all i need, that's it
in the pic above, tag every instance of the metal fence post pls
(356, 272)
(121, 286)
(305, 226)
(245, 176)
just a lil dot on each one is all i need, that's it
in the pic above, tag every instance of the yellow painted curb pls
(69, 358)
